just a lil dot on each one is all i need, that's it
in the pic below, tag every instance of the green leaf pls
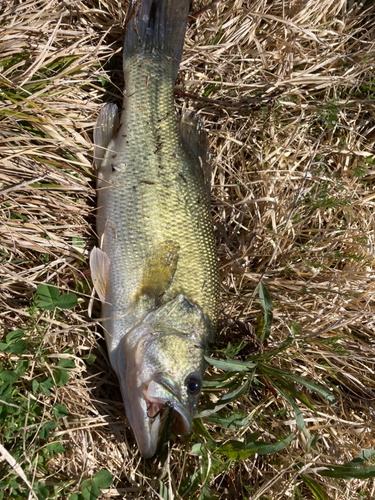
(232, 350)
(5, 389)
(297, 491)
(352, 469)
(46, 428)
(90, 359)
(67, 301)
(13, 483)
(314, 487)
(265, 298)
(205, 493)
(14, 336)
(17, 348)
(55, 447)
(22, 366)
(45, 386)
(14, 342)
(221, 381)
(60, 377)
(190, 484)
(9, 376)
(280, 374)
(60, 411)
(266, 302)
(290, 388)
(197, 449)
(279, 349)
(312, 442)
(347, 472)
(3, 411)
(91, 487)
(217, 37)
(235, 421)
(236, 450)
(34, 385)
(163, 491)
(226, 399)
(364, 456)
(103, 479)
(299, 417)
(66, 363)
(231, 364)
(259, 326)
(91, 493)
(41, 491)
(200, 429)
(46, 297)
(78, 242)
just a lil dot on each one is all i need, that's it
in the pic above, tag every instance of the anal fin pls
(99, 265)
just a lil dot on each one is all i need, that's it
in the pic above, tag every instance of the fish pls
(155, 268)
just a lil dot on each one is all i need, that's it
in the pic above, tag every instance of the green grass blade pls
(314, 487)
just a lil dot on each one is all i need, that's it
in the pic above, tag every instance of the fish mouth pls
(163, 400)
(165, 415)
(178, 422)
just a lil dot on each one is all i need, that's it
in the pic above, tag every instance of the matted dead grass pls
(286, 93)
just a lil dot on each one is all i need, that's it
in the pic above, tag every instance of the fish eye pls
(193, 386)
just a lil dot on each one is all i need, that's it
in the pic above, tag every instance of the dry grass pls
(286, 93)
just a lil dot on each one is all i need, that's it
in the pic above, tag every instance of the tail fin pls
(156, 26)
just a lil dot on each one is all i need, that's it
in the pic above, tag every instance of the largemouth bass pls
(156, 270)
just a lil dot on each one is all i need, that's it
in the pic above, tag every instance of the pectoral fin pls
(159, 269)
(99, 265)
(105, 128)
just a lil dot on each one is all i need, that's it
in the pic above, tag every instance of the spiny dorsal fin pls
(195, 141)
(159, 269)
(105, 128)
(99, 265)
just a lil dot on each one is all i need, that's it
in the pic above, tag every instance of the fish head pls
(164, 360)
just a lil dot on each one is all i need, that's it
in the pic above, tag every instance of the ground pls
(285, 90)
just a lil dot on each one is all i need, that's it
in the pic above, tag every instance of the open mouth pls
(155, 414)
(163, 403)
(171, 419)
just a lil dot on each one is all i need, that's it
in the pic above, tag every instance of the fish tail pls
(156, 27)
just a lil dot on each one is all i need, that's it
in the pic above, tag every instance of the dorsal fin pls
(105, 128)
(195, 141)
